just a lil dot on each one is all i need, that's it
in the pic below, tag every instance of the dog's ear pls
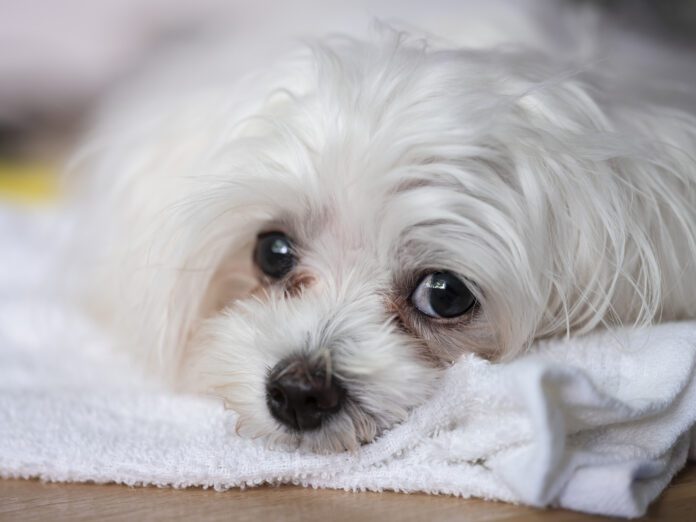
(156, 277)
(162, 233)
(605, 189)
(165, 212)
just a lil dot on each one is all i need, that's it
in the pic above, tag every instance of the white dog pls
(314, 243)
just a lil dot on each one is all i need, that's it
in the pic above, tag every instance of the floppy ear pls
(157, 274)
(153, 238)
(167, 218)
(610, 205)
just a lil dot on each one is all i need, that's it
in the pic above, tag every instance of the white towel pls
(597, 424)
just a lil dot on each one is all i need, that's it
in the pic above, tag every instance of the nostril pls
(325, 399)
(277, 394)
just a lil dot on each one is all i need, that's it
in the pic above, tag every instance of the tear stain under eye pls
(441, 342)
(296, 283)
(396, 308)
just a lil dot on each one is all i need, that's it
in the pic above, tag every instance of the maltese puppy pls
(315, 242)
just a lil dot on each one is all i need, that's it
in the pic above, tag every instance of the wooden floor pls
(25, 500)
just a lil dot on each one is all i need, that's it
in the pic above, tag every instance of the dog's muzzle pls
(301, 395)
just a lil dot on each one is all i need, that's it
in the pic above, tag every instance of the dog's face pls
(356, 305)
(390, 210)
(376, 239)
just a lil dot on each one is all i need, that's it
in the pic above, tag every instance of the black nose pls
(301, 397)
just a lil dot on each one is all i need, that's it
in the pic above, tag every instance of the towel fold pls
(598, 424)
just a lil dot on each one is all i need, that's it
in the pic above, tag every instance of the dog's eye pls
(442, 294)
(274, 254)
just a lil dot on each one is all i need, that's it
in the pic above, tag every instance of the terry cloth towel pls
(598, 424)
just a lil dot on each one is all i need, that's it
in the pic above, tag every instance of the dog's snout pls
(300, 397)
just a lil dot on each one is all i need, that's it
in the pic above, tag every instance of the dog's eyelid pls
(409, 283)
(283, 227)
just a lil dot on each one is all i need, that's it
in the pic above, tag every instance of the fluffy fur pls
(565, 206)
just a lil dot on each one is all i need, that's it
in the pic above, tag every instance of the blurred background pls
(59, 58)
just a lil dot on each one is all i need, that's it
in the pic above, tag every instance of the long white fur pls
(567, 206)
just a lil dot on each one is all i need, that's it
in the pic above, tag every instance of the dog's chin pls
(347, 430)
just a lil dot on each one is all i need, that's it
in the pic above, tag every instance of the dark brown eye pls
(443, 295)
(274, 254)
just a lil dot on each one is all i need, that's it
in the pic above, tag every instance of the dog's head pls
(372, 245)
(385, 208)
(376, 238)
